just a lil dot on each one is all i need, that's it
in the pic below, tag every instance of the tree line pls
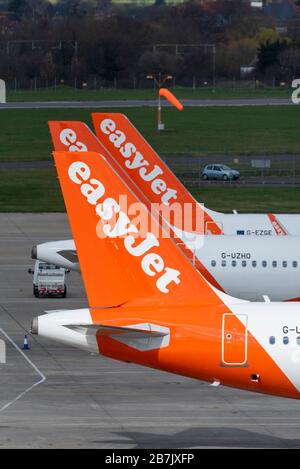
(83, 39)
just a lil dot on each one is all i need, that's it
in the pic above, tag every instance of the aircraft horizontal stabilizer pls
(143, 337)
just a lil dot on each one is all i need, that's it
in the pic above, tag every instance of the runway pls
(91, 402)
(109, 104)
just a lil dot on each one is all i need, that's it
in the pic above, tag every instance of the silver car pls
(221, 172)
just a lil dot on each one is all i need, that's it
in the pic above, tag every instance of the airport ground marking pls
(36, 369)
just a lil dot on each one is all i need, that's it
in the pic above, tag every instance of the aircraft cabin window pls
(285, 340)
(254, 264)
(213, 263)
(274, 263)
(272, 340)
(295, 264)
(224, 263)
(233, 263)
(298, 340)
(264, 263)
(284, 264)
(244, 263)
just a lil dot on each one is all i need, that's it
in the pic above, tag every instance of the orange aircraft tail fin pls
(146, 169)
(77, 136)
(74, 136)
(123, 252)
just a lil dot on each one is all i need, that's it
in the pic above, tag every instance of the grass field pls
(37, 190)
(250, 199)
(232, 131)
(24, 136)
(63, 93)
(30, 190)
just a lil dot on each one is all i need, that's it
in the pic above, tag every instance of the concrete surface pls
(87, 401)
(108, 104)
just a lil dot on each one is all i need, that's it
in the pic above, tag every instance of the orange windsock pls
(170, 97)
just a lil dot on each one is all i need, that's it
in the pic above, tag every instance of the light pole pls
(159, 81)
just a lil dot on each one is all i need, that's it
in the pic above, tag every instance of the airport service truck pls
(48, 280)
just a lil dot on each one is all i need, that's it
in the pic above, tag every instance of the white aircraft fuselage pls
(249, 268)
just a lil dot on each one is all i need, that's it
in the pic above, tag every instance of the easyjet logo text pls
(134, 160)
(116, 223)
(69, 138)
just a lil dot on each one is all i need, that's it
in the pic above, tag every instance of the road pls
(193, 178)
(91, 402)
(246, 182)
(108, 104)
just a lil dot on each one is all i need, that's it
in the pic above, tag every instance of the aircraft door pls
(234, 339)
